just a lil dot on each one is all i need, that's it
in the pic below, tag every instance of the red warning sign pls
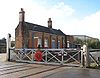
(38, 55)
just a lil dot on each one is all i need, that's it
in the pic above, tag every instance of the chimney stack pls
(50, 23)
(21, 15)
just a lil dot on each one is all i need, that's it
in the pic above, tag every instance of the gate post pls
(82, 58)
(8, 41)
(62, 57)
(85, 57)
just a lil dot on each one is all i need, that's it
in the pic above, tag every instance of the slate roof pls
(2, 42)
(35, 27)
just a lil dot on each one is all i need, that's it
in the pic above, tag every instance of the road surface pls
(24, 70)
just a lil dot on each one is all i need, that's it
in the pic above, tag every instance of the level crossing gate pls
(46, 56)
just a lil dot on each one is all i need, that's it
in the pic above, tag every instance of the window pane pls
(53, 44)
(39, 42)
(63, 43)
(58, 44)
(46, 43)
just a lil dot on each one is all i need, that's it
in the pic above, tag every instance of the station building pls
(30, 35)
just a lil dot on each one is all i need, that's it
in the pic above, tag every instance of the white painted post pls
(86, 56)
(46, 57)
(62, 57)
(8, 41)
(32, 57)
(82, 58)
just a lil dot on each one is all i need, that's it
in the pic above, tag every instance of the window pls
(58, 44)
(39, 42)
(46, 43)
(53, 44)
(63, 43)
(68, 44)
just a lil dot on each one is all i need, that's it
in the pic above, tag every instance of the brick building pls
(29, 35)
(69, 40)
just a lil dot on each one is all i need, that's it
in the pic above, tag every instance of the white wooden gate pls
(49, 56)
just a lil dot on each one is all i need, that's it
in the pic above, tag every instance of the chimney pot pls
(50, 23)
(21, 15)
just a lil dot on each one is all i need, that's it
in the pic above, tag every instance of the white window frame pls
(58, 43)
(39, 42)
(53, 41)
(46, 43)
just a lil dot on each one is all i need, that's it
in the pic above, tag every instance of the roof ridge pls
(41, 28)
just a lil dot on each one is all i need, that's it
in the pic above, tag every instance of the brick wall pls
(31, 38)
(18, 37)
(70, 39)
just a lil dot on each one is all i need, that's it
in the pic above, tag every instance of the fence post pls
(86, 56)
(62, 56)
(32, 56)
(8, 41)
(46, 56)
(82, 58)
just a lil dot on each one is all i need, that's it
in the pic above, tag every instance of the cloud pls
(35, 13)
(89, 25)
(61, 10)
(39, 14)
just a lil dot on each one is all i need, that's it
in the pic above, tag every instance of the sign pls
(35, 37)
(38, 55)
(62, 54)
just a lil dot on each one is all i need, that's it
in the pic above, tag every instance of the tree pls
(94, 45)
(90, 43)
(79, 41)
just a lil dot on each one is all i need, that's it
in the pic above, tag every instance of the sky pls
(73, 17)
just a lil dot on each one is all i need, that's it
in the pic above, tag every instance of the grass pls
(94, 66)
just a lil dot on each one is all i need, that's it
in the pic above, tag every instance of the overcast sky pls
(73, 17)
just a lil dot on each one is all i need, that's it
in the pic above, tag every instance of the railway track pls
(18, 70)
(39, 72)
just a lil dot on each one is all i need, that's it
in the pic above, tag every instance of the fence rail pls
(53, 56)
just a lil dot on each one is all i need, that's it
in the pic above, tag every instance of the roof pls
(3, 42)
(35, 27)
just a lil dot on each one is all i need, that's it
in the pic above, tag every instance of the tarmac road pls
(24, 70)
(76, 73)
